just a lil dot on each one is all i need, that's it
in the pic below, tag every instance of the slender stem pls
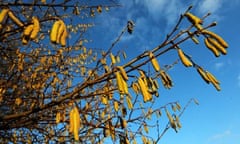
(53, 5)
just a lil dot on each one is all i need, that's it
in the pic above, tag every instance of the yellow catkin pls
(116, 106)
(3, 14)
(145, 127)
(36, 28)
(144, 90)
(193, 19)
(194, 39)
(154, 62)
(15, 19)
(118, 59)
(211, 47)
(124, 123)
(142, 74)
(121, 83)
(71, 123)
(125, 86)
(61, 29)
(63, 37)
(217, 37)
(202, 73)
(170, 118)
(135, 87)
(185, 61)
(164, 78)
(27, 31)
(123, 72)
(76, 123)
(152, 88)
(179, 125)
(218, 46)
(218, 88)
(104, 100)
(144, 140)
(58, 117)
(169, 80)
(113, 58)
(129, 103)
(212, 78)
(54, 31)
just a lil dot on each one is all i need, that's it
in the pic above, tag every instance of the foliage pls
(54, 89)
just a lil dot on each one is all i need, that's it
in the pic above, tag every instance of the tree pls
(54, 89)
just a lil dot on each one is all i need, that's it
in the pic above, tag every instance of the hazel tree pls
(54, 89)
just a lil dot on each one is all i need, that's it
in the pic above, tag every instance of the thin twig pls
(168, 124)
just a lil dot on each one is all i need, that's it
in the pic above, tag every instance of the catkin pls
(28, 30)
(123, 72)
(144, 90)
(194, 39)
(212, 78)
(112, 58)
(129, 103)
(54, 31)
(36, 28)
(121, 83)
(135, 87)
(15, 19)
(218, 46)
(63, 38)
(3, 14)
(211, 47)
(170, 118)
(116, 106)
(217, 37)
(193, 19)
(154, 62)
(202, 73)
(185, 61)
(76, 123)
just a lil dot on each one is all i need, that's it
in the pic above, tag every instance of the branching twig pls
(168, 124)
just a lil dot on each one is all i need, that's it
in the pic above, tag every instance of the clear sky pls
(216, 120)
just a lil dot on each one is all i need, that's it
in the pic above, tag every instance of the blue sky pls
(216, 119)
